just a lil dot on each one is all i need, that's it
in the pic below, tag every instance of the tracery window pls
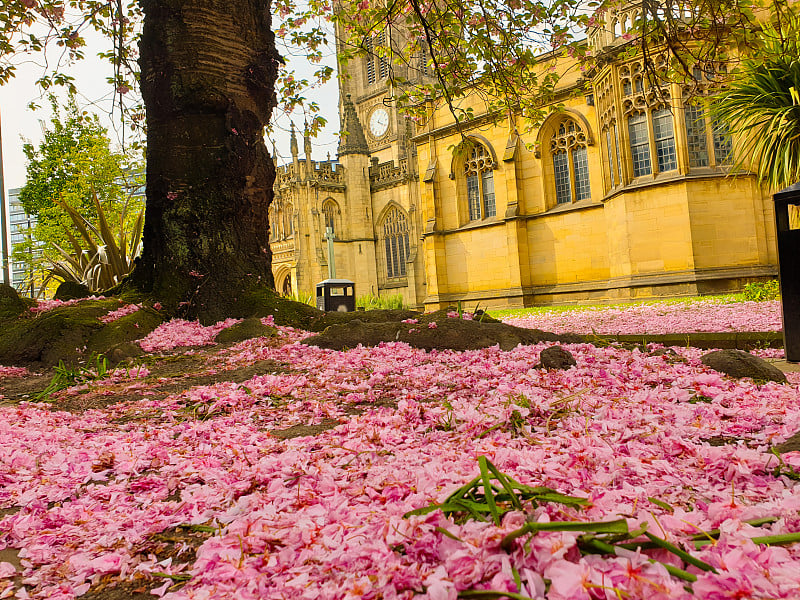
(480, 183)
(664, 134)
(702, 132)
(696, 141)
(395, 241)
(651, 129)
(570, 162)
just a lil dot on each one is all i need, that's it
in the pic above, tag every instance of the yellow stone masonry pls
(619, 194)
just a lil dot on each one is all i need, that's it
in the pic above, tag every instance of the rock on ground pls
(11, 305)
(737, 363)
(71, 290)
(556, 357)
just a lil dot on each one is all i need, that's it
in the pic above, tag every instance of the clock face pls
(379, 122)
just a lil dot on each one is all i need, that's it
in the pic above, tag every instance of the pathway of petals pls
(658, 318)
(322, 516)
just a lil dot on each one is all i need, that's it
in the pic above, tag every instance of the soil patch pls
(109, 588)
(167, 376)
(184, 379)
(304, 430)
(11, 555)
(18, 389)
(179, 383)
(790, 445)
(179, 543)
(724, 440)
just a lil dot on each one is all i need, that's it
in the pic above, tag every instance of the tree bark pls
(208, 70)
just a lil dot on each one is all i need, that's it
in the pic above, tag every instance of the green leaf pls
(661, 504)
(488, 491)
(605, 548)
(769, 540)
(181, 577)
(683, 555)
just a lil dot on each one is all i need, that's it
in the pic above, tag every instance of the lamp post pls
(4, 217)
(331, 258)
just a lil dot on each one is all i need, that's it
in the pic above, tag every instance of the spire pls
(352, 140)
(307, 150)
(293, 143)
(307, 141)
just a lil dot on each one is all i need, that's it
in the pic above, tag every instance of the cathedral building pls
(624, 192)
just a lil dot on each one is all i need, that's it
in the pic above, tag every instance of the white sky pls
(18, 122)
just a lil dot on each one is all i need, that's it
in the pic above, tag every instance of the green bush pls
(370, 302)
(762, 291)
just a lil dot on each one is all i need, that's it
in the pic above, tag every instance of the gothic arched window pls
(570, 162)
(395, 241)
(330, 211)
(708, 140)
(288, 220)
(651, 129)
(480, 183)
(276, 221)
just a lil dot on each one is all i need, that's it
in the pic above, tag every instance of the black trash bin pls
(787, 224)
(338, 295)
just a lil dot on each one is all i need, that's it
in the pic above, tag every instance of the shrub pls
(762, 291)
(110, 255)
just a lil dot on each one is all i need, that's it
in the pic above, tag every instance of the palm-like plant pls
(105, 260)
(761, 105)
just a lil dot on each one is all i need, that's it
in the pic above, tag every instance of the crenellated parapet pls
(621, 23)
(326, 174)
(285, 175)
(388, 174)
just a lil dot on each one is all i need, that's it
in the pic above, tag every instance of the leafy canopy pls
(459, 43)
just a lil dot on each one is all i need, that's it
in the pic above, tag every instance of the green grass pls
(562, 308)
(370, 302)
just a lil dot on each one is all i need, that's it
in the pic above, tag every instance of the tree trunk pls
(208, 70)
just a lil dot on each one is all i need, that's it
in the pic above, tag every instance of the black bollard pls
(787, 223)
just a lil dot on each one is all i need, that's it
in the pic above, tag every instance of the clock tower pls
(368, 81)
(368, 194)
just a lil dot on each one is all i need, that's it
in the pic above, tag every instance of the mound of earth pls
(71, 333)
(434, 331)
